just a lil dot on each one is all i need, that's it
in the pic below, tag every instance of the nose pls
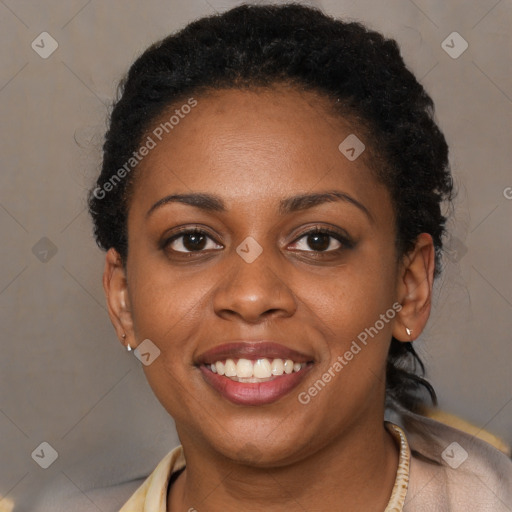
(254, 291)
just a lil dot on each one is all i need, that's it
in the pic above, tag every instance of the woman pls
(270, 202)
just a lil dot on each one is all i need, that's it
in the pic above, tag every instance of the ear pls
(116, 292)
(416, 278)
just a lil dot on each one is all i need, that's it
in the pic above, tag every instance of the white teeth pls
(277, 367)
(229, 368)
(245, 369)
(262, 369)
(288, 366)
(219, 365)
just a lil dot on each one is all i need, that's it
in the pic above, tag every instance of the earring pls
(408, 331)
(127, 345)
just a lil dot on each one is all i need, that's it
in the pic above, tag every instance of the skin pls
(253, 149)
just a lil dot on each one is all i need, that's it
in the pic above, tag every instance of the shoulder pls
(453, 471)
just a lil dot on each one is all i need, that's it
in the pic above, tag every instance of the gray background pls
(65, 379)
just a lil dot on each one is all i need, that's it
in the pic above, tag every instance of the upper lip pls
(251, 350)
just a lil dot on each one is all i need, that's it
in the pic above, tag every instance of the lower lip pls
(254, 393)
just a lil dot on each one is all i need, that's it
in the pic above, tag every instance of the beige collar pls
(396, 502)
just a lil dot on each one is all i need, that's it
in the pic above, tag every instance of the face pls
(309, 276)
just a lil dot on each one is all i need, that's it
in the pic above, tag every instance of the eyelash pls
(342, 238)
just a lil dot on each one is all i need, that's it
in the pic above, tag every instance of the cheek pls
(168, 309)
(357, 295)
(165, 304)
(356, 310)
(357, 317)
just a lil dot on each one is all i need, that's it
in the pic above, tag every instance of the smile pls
(253, 373)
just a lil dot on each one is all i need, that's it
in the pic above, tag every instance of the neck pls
(354, 472)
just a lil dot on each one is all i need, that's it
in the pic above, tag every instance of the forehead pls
(253, 146)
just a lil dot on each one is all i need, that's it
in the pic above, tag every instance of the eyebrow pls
(213, 203)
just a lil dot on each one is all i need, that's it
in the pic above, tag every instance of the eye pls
(322, 240)
(191, 240)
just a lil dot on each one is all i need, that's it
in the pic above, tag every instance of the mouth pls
(253, 373)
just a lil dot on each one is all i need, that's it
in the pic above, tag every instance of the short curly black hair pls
(261, 46)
